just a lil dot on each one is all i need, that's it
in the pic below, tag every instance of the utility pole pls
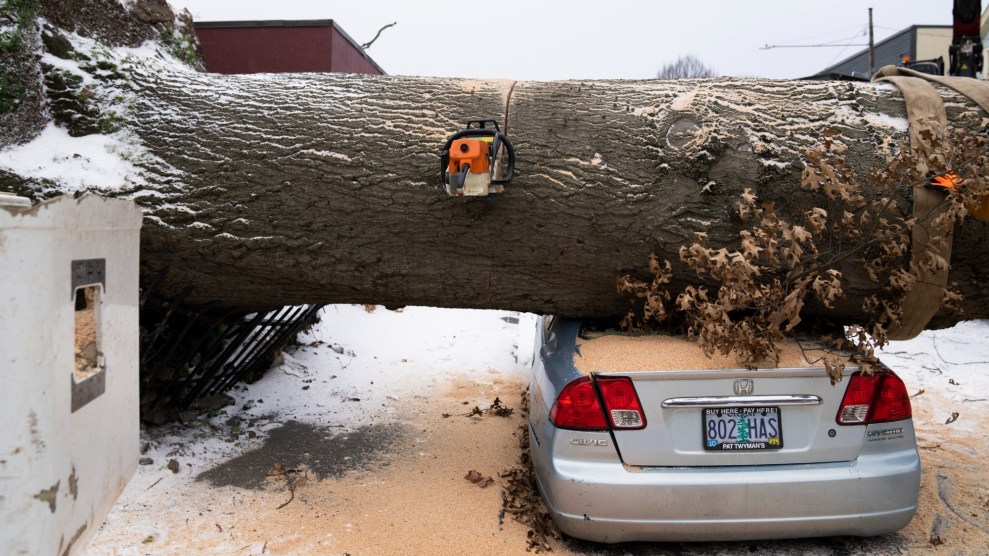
(872, 48)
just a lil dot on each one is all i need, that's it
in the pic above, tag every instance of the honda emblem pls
(744, 386)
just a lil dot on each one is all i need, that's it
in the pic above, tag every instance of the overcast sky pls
(578, 39)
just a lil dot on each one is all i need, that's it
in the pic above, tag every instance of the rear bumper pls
(606, 501)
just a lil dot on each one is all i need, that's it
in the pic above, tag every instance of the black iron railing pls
(195, 352)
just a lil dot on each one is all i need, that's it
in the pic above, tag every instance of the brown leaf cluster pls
(764, 282)
(653, 293)
(497, 408)
(520, 497)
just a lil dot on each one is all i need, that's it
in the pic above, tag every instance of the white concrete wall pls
(60, 471)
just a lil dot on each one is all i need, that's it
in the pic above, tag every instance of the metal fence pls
(193, 353)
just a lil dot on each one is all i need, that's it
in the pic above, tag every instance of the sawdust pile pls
(953, 517)
(413, 500)
(421, 503)
(614, 352)
(86, 339)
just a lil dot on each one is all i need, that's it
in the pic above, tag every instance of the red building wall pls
(347, 58)
(281, 46)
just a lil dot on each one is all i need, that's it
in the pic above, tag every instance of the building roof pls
(289, 23)
(889, 51)
(832, 76)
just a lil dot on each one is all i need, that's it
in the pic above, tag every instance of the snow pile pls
(92, 162)
(101, 162)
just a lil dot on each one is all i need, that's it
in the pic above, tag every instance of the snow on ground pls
(376, 410)
(952, 365)
(353, 368)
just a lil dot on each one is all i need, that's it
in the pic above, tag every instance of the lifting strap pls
(976, 90)
(930, 251)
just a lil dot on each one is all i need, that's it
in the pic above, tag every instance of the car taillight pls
(577, 407)
(622, 403)
(877, 398)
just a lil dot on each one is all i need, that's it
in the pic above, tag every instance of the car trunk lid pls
(706, 411)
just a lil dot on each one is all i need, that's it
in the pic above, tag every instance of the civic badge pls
(744, 386)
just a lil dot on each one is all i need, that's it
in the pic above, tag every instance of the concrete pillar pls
(69, 368)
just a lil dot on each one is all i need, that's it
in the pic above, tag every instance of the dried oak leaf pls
(478, 479)
(500, 409)
(817, 219)
(829, 289)
(835, 367)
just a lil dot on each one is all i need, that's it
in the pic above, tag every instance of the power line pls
(858, 28)
(772, 46)
(842, 51)
(836, 42)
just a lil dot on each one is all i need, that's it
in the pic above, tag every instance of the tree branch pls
(368, 44)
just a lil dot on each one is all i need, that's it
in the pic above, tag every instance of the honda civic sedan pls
(644, 438)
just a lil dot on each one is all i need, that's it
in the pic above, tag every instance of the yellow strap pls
(930, 252)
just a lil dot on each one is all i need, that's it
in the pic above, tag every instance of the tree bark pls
(262, 191)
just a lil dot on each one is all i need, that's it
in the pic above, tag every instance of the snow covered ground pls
(376, 411)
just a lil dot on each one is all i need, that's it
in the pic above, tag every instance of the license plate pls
(736, 429)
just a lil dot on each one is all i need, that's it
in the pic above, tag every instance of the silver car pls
(644, 438)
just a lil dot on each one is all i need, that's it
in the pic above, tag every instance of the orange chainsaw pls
(477, 160)
(947, 182)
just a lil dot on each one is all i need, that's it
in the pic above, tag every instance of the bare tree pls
(686, 67)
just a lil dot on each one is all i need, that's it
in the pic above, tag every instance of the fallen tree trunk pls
(262, 191)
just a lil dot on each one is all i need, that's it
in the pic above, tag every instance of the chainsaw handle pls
(481, 124)
(510, 170)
